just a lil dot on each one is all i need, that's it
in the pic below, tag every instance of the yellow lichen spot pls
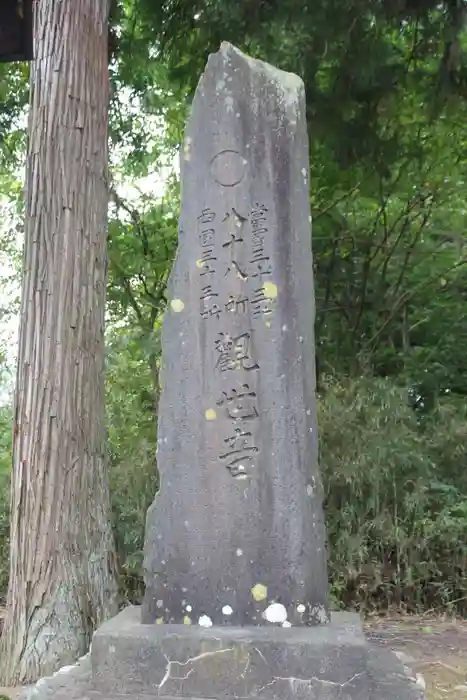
(199, 263)
(187, 620)
(210, 414)
(259, 591)
(177, 305)
(160, 621)
(270, 290)
(268, 324)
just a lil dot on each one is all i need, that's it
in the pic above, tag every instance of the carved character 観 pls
(234, 352)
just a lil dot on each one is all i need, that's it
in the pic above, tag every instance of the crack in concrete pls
(171, 664)
(295, 683)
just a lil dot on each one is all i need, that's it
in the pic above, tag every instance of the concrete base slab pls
(333, 662)
(145, 662)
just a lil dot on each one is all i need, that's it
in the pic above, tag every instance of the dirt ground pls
(434, 647)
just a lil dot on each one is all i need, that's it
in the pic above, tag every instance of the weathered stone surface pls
(238, 522)
(328, 661)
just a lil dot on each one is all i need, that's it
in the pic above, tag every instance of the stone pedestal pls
(331, 662)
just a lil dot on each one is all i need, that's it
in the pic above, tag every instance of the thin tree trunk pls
(62, 568)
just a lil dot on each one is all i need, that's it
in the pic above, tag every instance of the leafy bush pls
(395, 486)
(132, 452)
(396, 497)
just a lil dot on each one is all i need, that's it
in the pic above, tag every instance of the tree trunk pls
(62, 568)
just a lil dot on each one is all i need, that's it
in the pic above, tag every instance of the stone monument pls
(236, 534)
(235, 558)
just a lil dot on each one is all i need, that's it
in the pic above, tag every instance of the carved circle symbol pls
(228, 168)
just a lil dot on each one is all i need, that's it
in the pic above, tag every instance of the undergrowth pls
(395, 491)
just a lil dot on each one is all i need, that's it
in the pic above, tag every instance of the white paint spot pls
(189, 608)
(286, 623)
(309, 489)
(227, 610)
(205, 621)
(421, 681)
(276, 612)
(239, 552)
(301, 608)
(308, 412)
(300, 338)
(303, 171)
(159, 603)
(185, 589)
(284, 327)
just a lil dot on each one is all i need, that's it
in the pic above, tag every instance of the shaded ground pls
(437, 649)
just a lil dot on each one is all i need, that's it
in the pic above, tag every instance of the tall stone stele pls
(235, 541)
(238, 523)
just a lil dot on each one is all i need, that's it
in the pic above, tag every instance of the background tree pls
(62, 569)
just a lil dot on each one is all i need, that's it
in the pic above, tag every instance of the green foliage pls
(396, 489)
(396, 497)
(131, 404)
